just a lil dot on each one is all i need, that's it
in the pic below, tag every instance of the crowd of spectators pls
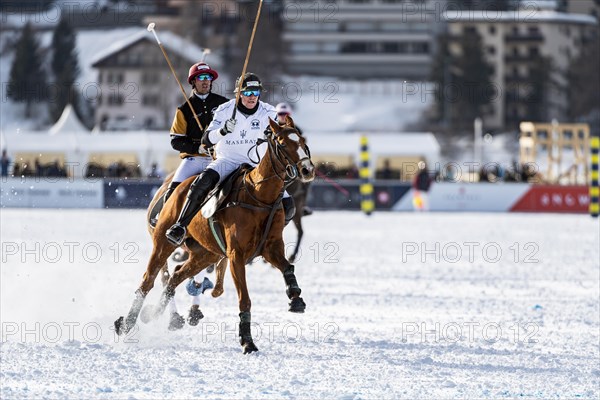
(118, 169)
(25, 168)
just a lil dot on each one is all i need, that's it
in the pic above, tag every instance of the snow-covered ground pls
(398, 306)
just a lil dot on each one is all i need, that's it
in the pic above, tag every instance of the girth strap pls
(218, 234)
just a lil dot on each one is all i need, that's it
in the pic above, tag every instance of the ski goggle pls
(204, 77)
(248, 93)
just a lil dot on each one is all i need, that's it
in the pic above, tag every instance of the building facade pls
(354, 38)
(138, 90)
(513, 41)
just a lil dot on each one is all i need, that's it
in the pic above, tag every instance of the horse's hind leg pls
(274, 253)
(220, 269)
(298, 223)
(198, 260)
(158, 259)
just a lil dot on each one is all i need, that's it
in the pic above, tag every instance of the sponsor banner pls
(46, 192)
(129, 194)
(345, 195)
(486, 197)
(564, 199)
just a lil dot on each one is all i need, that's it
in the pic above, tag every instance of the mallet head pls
(151, 26)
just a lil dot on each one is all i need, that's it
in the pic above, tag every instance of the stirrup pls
(176, 234)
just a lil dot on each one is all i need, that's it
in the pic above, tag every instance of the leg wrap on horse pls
(245, 334)
(291, 283)
(289, 208)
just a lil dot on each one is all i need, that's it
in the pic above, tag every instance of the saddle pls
(217, 196)
(213, 200)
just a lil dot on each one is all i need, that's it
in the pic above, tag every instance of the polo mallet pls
(205, 53)
(151, 29)
(239, 87)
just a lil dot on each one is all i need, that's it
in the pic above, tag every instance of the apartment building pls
(361, 38)
(512, 41)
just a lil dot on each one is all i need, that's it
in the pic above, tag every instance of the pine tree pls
(464, 81)
(64, 67)
(473, 79)
(584, 80)
(26, 74)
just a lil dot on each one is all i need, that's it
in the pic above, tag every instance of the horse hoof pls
(217, 291)
(119, 326)
(249, 347)
(195, 316)
(147, 313)
(297, 305)
(176, 322)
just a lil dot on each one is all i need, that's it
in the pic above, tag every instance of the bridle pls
(278, 154)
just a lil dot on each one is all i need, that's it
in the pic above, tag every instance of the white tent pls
(68, 123)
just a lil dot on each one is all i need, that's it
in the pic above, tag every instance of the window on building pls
(304, 47)
(492, 30)
(468, 29)
(491, 50)
(115, 99)
(354, 47)
(394, 47)
(534, 51)
(360, 26)
(100, 77)
(330, 48)
(392, 27)
(149, 77)
(303, 26)
(150, 99)
(420, 48)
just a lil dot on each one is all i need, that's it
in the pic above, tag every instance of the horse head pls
(291, 150)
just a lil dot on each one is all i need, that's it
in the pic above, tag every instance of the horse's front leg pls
(238, 272)
(220, 269)
(274, 254)
(158, 260)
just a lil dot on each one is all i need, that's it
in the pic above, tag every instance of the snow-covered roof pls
(521, 16)
(68, 123)
(171, 41)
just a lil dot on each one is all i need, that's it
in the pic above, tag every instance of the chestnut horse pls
(253, 204)
(221, 265)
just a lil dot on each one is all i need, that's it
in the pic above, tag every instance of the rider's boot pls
(170, 189)
(168, 193)
(203, 184)
(289, 207)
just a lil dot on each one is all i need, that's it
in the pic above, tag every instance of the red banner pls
(565, 199)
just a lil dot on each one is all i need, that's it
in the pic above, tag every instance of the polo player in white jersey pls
(232, 139)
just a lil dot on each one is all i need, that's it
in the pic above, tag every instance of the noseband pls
(279, 154)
